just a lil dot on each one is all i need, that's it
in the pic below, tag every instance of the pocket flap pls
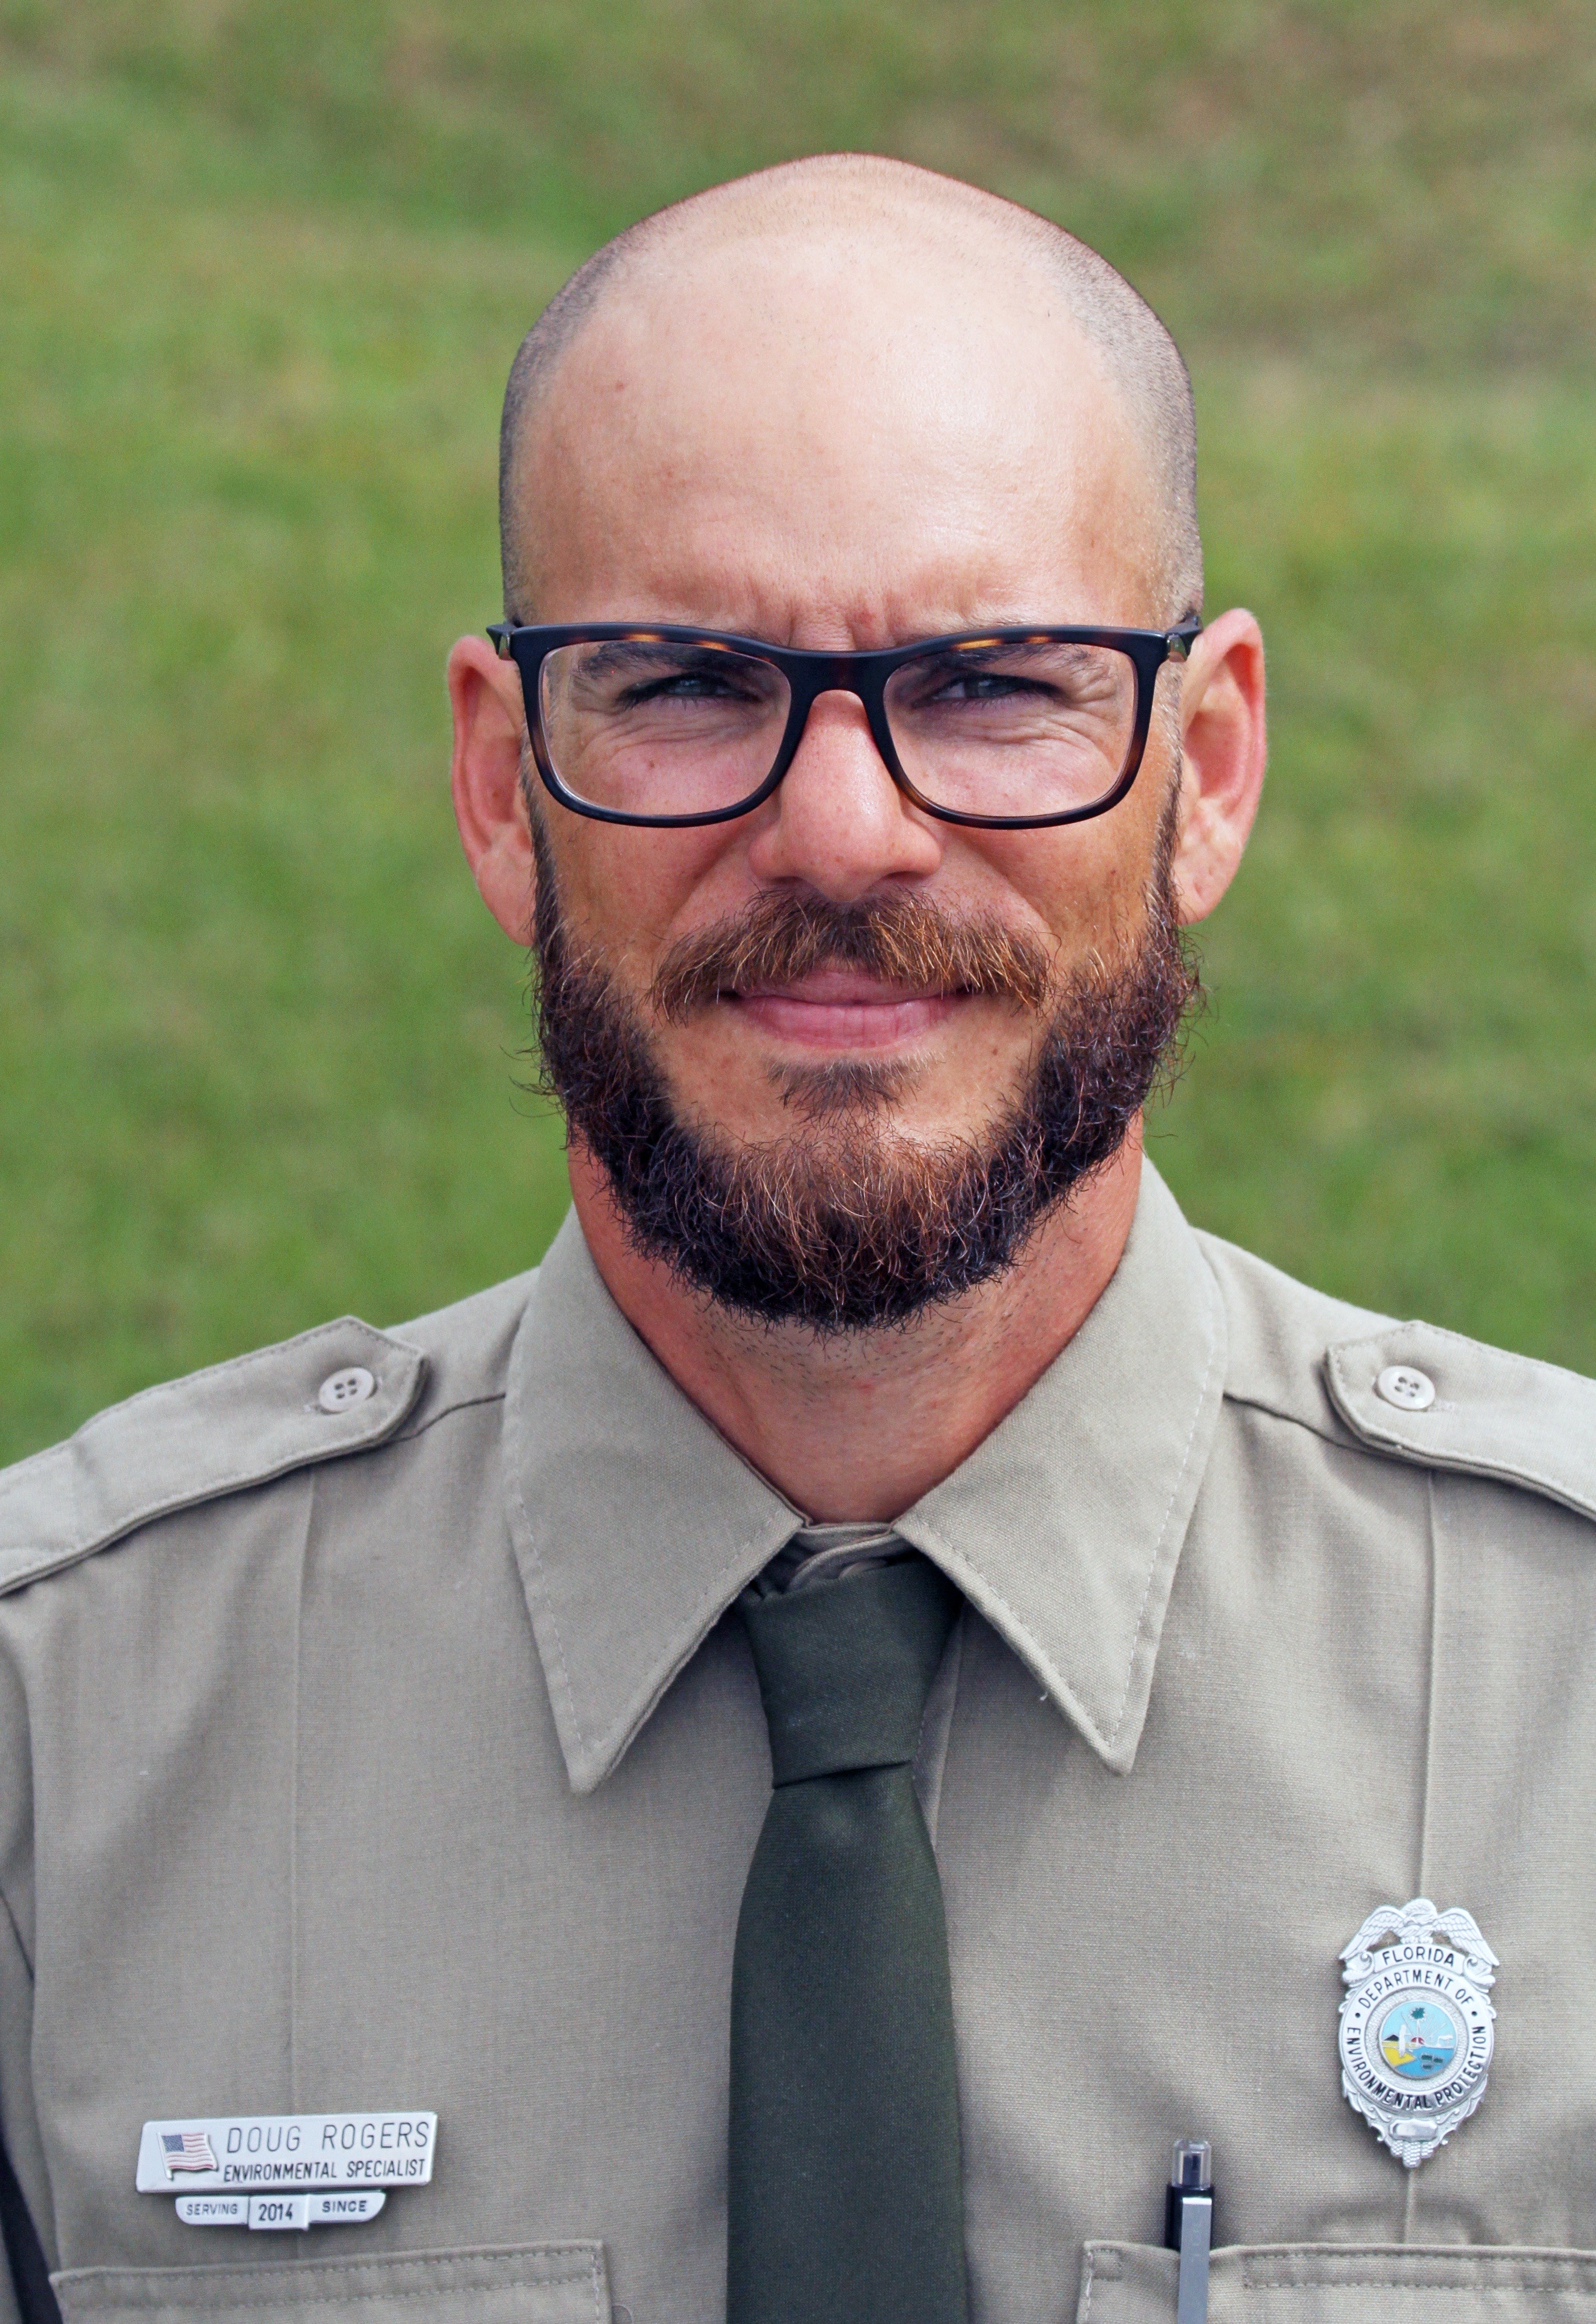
(529, 2284)
(1346, 2284)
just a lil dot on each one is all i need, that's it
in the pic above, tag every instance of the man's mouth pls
(843, 1009)
(872, 974)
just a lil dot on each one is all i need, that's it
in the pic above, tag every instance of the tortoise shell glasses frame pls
(963, 659)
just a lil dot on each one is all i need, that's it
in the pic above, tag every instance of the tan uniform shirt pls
(404, 1756)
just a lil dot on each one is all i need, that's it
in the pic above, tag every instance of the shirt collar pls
(636, 1525)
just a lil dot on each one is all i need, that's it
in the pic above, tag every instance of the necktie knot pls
(844, 1668)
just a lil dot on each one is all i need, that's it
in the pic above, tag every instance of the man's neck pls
(860, 1425)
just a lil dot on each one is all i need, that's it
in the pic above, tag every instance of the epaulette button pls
(342, 1391)
(1406, 1387)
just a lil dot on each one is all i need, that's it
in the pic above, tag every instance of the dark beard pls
(848, 1228)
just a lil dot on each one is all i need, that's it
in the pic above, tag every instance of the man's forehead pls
(823, 373)
(804, 302)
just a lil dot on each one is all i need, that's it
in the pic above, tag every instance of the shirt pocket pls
(1347, 2283)
(528, 2283)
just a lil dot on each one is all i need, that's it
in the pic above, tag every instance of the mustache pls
(903, 939)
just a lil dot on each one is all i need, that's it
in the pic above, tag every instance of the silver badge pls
(1417, 2026)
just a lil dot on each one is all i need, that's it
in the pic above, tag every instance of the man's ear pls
(490, 808)
(1223, 747)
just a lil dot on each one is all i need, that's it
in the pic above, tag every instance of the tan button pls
(1408, 1389)
(342, 1391)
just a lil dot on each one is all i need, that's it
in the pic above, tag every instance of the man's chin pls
(896, 1100)
(750, 1096)
(851, 1092)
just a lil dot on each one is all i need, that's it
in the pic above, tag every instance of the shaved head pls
(938, 241)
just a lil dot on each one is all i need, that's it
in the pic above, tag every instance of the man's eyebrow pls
(981, 647)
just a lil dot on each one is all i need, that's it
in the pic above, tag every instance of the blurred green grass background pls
(262, 266)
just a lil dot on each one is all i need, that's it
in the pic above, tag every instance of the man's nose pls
(841, 825)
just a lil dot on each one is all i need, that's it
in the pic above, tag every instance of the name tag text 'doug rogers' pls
(268, 2151)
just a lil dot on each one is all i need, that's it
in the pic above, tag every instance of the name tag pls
(268, 2153)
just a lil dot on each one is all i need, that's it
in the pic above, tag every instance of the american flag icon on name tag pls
(187, 2150)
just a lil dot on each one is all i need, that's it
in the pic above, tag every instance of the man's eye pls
(985, 686)
(947, 689)
(1063, 684)
(685, 685)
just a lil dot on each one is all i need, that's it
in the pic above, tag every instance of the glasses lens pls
(648, 726)
(1033, 729)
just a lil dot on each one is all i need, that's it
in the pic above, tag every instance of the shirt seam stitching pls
(410, 2292)
(1214, 1345)
(17, 1933)
(1400, 2282)
(412, 1430)
(1257, 1401)
(547, 1597)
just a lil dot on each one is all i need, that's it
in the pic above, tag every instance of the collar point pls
(1117, 1755)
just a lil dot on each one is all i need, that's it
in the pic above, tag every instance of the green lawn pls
(262, 266)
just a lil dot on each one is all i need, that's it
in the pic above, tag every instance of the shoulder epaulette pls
(1431, 1395)
(332, 1391)
(1470, 1407)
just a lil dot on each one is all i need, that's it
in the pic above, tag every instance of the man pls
(771, 1768)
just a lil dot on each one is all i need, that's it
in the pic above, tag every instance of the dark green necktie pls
(845, 2193)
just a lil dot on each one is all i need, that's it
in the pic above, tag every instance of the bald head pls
(845, 293)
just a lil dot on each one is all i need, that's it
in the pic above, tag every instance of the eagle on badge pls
(1419, 1923)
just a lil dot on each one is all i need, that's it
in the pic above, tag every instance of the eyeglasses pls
(1010, 730)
